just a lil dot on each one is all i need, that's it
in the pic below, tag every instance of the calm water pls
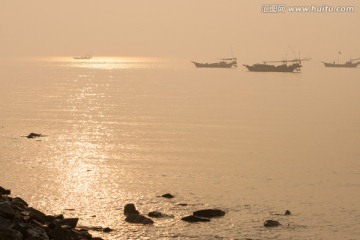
(123, 130)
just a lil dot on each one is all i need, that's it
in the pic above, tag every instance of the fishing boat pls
(348, 64)
(224, 63)
(285, 66)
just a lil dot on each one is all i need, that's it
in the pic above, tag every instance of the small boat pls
(284, 67)
(348, 64)
(224, 63)
(82, 57)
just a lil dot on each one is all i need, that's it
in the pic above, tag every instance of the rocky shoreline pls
(19, 221)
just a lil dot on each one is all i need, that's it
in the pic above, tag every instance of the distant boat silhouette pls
(224, 63)
(284, 67)
(82, 57)
(348, 64)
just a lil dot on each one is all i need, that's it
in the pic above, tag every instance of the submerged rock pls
(209, 213)
(130, 209)
(194, 219)
(138, 219)
(271, 223)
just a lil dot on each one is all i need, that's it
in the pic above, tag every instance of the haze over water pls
(126, 129)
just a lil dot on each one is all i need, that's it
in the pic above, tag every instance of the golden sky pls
(176, 28)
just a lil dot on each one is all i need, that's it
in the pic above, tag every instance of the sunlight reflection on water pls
(250, 144)
(104, 62)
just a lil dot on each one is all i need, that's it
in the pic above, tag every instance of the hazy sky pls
(176, 28)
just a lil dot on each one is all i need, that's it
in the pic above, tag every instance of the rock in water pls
(33, 135)
(271, 223)
(139, 219)
(167, 195)
(155, 214)
(130, 209)
(209, 213)
(194, 219)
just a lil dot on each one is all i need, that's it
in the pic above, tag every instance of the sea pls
(120, 130)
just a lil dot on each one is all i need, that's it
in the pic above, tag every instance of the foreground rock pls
(133, 215)
(204, 215)
(156, 214)
(130, 209)
(138, 219)
(19, 221)
(194, 219)
(4, 191)
(209, 213)
(271, 223)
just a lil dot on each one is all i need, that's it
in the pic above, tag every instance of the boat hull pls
(215, 65)
(345, 65)
(272, 68)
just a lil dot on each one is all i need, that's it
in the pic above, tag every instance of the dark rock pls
(193, 219)
(155, 214)
(271, 223)
(287, 212)
(19, 203)
(34, 135)
(64, 234)
(35, 214)
(182, 204)
(130, 209)
(72, 222)
(5, 223)
(20, 222)
(36, 232)
(107, 229)
(167, 195)
(209, 213)
(4, 191)
(21, 227)
(9, 234)
(6, 210)
(137, 218)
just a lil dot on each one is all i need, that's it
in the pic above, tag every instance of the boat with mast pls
(224, 63)
(285, 66)
(352, 63)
